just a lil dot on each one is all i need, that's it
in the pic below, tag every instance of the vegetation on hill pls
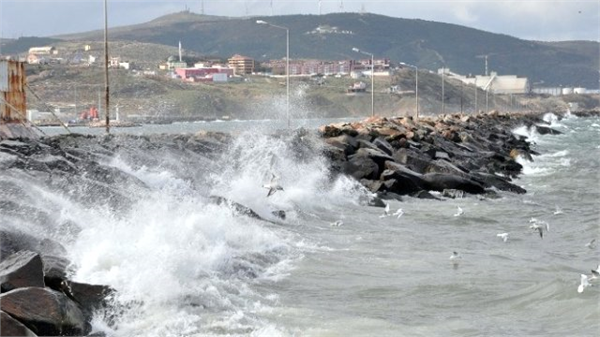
(427, 44)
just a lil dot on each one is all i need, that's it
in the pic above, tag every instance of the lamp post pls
(287, 64)
(372, 78)
(416, 88)
(106, 87)
(443, 93)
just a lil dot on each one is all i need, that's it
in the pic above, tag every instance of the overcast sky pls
(527, 19)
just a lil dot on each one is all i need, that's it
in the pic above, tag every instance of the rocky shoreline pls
(392, 157)
(451, 154)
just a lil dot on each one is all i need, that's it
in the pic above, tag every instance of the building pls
(241, 65)
(203, 74)
(173, 63)
(48, 50)
(36, 59)
(498, 84)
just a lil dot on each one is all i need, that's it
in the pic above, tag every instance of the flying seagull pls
(399, 213)
(591, 244)
(584, 283)
(386, 212)
(273, 185)
(503, 236)
(459, 211)
(538, 228)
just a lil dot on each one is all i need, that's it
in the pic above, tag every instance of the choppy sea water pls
(183, 266)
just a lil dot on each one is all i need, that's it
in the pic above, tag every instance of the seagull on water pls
(338, 223)
(558, 211)
(386, 212)
(273, 185)
(459, 211)
(591, 244)
(398, 213)
(503, 236)
(455, 258)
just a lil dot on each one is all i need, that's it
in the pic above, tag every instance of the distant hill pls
(22, 44)
(426, 44)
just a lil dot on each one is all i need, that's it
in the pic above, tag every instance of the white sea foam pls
(172, 251)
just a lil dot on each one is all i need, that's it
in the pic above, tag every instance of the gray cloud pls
(528, 19)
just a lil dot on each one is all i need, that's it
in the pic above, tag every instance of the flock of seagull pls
(536, 225)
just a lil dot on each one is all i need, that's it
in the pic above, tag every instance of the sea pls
(182, 265)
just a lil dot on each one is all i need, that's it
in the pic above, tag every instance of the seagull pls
(273, 185)
(386, 212)
(558, 211)
(459, 211)
(455, 258)
(338, 223)
(503, 236)
(399, 213)
(584, 283)
(591, 244)
(538, 228)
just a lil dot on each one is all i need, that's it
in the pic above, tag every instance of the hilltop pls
(427, 44)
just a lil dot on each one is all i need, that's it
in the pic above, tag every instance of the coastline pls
(392, 157)
(450, 154)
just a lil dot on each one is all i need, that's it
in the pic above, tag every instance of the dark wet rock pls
(20, 270)
(344, 142)
(400, 182)
(11, 327)
(279, 214)
(361, 165)
(234, 206)
(424, 195)
(384, 146)
(89, 297)
(376, 201)
(545, 130)
(391, 196)
(44, 311)
(501, 183)
(55, 271)
(439, 182)
(373, 185)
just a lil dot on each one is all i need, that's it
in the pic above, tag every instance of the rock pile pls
(451, 154)
(37, 298)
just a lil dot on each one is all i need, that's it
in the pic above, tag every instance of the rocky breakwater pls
(37, 297)
(451, 154)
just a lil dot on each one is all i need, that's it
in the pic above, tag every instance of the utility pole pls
(106, 87)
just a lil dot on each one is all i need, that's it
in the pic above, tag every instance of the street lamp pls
(372, 78)
(416, 87)
(287, 64)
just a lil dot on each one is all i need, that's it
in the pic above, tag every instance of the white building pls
(499, 84)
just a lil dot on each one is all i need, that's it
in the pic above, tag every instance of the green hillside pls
(426, 44)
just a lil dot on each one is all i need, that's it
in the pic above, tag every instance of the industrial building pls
(498, 84)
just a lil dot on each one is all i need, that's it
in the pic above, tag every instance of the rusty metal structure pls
(13, 104)
(12, 91)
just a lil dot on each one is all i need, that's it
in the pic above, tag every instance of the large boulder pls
(90, 297)
(22, 269)
(545, 130)
(440, 182)
(366, 163)
(11, 327)
(44, 311)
